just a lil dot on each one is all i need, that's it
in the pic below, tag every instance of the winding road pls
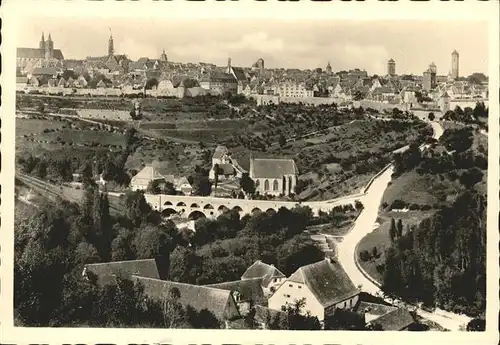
(366, 223)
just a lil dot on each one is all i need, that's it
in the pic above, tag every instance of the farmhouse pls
(270, 277)
(274, 176)
(218, 301)
(107, 272)
(246, 293)
(324, 285)
(224, 164)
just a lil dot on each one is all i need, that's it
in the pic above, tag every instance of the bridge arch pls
(180, 204)
(237, 208)
(194, 205)
(208, 207)
(271, 211)
(256, 210)
(196, 215)
(222, 208)
(168, 203)
(168, 212)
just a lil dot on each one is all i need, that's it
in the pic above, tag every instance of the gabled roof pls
(148, 173)
(264, 271)
(239, 73)
(199, 297)
(395, 320)
(327, 280)
(250, 289)
(272, 167)
(106, 272)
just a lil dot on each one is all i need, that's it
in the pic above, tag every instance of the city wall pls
(268, 99)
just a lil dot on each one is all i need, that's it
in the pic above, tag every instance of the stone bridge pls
(194, 207)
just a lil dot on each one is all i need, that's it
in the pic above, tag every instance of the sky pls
(288, 44)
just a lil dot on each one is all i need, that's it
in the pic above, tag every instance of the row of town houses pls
(162, 79)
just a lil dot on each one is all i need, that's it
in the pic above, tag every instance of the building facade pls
(274, 176)
(324, 285)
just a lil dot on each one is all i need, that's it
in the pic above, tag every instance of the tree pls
(393, 230)
(297, 320)
(476, 325)
(364, 256)
(201, 183)
(471, 177)
(185, 265)
(247, 184)
(216, 175)
(138, 210)
(282, 140)
(174, 314)
(431, 116)
(153, 241)
(399, 228)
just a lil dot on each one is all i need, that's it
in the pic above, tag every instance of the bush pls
(365, 256)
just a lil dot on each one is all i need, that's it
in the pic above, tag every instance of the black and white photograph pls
(264, 174)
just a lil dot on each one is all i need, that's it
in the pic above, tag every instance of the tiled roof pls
(107, 271)
(226, 169)
(250, 289)
(272, 167)
(262, 270)
(35, 53)
(147, 174)
(214, 300)
(395, 320)
(327, 280)
(239, 73)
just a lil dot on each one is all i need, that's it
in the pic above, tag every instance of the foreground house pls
(388, 318)
(217, 301)
(270, 277)
(107, 272)
(246, 293)
(324, 285)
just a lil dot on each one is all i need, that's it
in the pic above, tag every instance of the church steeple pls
(42, 42)
(111, 48)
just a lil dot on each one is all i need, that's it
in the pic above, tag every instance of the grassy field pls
(380, 239)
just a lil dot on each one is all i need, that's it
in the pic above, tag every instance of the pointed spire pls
(43, 36)
(50, 38)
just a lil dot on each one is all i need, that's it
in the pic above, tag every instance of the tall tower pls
(49, 48)
(163, 56)
(111, 46)
(228, 65)
(391, 67)
(329, 68)
(433, 70)
(42, 42)
(426, 80)
(454, 65)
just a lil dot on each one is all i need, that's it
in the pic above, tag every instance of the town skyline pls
(363, 45)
